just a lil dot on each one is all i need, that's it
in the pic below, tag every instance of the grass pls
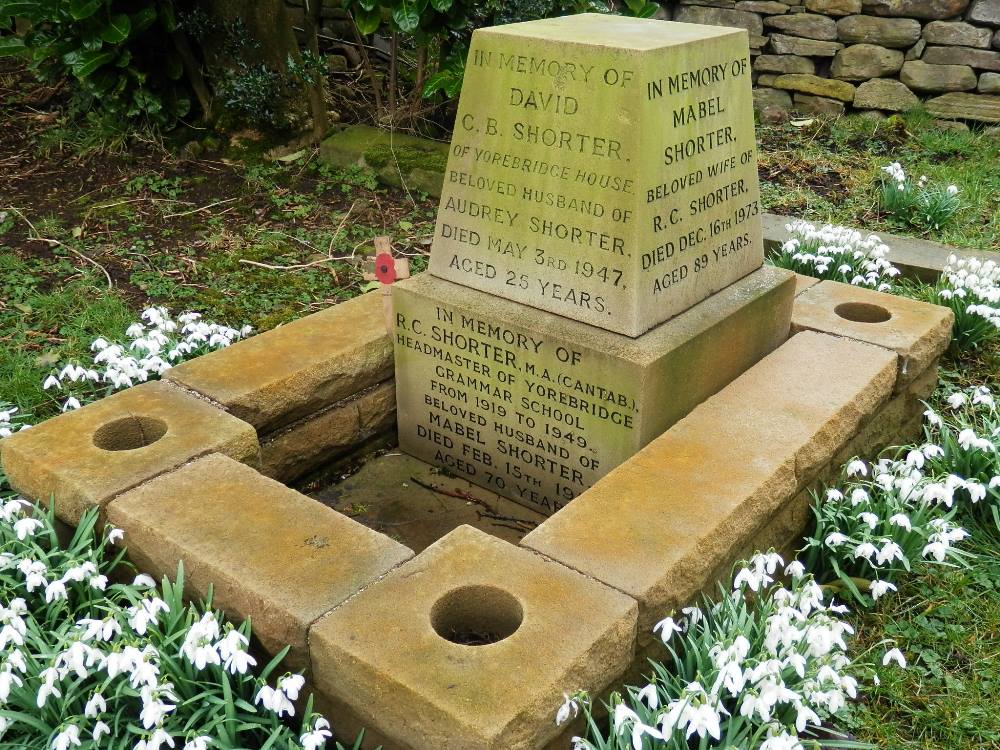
(829, 171)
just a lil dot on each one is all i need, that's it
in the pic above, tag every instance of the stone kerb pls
(267, 552)
(561, 193)
(84, 458)
(471, 645)
(916, 331)
(670, 517)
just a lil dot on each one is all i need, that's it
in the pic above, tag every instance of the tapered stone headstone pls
(602, 168)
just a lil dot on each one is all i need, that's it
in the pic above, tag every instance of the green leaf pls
(441, 6)
(143, 19)
(86, 63)
(32, 11)
(406, 17)
(11, 45)
(81, 9)
(368, 21)
(118, 29)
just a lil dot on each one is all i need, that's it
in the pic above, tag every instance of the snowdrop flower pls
(95, 706)
(569, 709)
(8, 680)
(649, 696)
(51, 382)
(795, 569)
(153, 713)
(932, 451)
(881, 588)
(694, 615)
(915, 458)
(100, 729)
(890, 551)
(932, 418)
(55, 591)
(858, 496)
(866, 550)
(67, 738)
(275, 700)
(956, 400)
(869, 519)
(835, 539)
(937, 550)
(952, 190)
(834, 495)
(115, 535)
(291, 684)
(857, 467)
(202, 743)
(314, 739)
(26, 527)
(667, 627)
(894, 655)
(902, 521)
(143, 581)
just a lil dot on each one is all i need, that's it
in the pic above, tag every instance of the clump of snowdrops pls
(887, 516)
(11, 419)
(916, 202)
(971, 288)
(151, 348)
(90, 660)
(762, 667)
(837, 253)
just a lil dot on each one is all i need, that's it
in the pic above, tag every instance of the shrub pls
(836, 253)
(916, 203)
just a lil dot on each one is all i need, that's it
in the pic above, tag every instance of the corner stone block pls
(917, 331)
(295, 370)
(269, 553)
(691, 500)
(84, 458)
(401, 654)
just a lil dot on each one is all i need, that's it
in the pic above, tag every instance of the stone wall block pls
(268, 552)
(784, 64)
(917, 331)
(721, 17)
(675, 512)
(290, 372)
(834, 7)
(957, 33)
(860, 62)
(400, 654)
(982, 59)
(985, 11)
(929, 9)
(981, 107)
(783, 44)
(886, 94)
(764, 7)
(807, 25)
(84, 458)
(816, 86)
(920, 76)
(989, 83)
(897, 33)
(818, 105)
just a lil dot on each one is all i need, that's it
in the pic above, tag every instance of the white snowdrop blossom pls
(894, 655)
(569, 709)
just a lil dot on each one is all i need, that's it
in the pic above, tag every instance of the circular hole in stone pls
(476, 615)
(862, 312)
(129, 433)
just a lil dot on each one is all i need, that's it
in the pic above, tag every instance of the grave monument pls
(596, 269)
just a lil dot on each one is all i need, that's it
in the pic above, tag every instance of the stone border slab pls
(385, 652)
(83, 458)
(269, 553)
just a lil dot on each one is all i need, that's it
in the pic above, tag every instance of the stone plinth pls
(603, 168)
(470, 646)
(537, 407)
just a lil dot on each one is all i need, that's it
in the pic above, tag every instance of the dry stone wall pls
(825, 56)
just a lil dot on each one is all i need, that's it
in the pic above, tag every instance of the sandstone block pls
(84, 458)
(817, 86)
(434, 688)
(989, 83)
(803, 282)
(835, 7)
(766, 7)
(292, 371)
(887, 32)
(885, 93)
(818, 105)
(740, 19)
(957, 33)
(537, 407)
(983, 59)
(791, 45)
(966, 107)
(918, 332)
(676, 511)
(920, 76)
(766, 79)
(915, 8)
(985, 11)
(784, 64)
(859, 62)
(268, 552)
(808, 25)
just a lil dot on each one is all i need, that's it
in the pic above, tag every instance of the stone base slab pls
(538, 408)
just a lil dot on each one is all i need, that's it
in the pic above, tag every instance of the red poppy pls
(385, 268)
